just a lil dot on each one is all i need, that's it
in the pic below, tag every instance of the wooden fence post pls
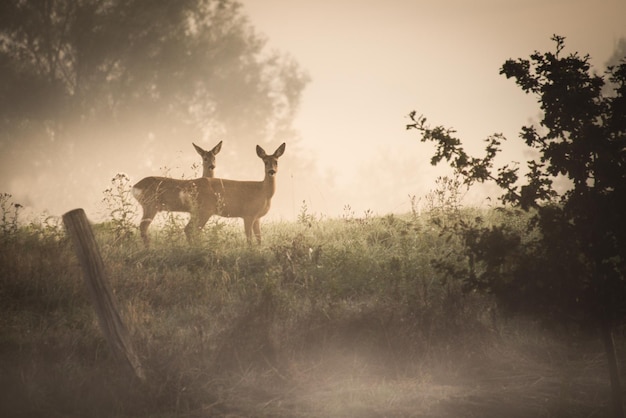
(102, 297)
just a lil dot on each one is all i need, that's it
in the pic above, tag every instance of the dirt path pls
(508, 382)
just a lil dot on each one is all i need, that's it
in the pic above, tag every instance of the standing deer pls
(156, 194)
(249, 200)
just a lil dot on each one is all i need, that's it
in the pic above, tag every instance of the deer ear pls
(200, 150)
(280, 150)
(260, 152)
(217, 148)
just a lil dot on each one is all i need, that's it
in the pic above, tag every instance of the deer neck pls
(269, 185)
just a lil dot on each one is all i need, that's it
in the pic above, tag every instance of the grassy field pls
(327, 318)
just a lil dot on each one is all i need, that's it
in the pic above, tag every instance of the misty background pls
(91, 89)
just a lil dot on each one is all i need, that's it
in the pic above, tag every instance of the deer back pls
(163, 193)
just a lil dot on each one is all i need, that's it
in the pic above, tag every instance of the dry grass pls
(338, 319)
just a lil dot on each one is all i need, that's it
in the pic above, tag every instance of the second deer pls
(249, 200)
(156, 194)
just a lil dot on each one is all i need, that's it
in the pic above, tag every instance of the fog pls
(369, 64)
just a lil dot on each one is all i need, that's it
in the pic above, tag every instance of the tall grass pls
(217, 308)
(222, 326)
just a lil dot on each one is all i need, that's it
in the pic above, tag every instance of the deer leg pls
(247, 226)
(146, 219)
(256, 227)
(196, 222)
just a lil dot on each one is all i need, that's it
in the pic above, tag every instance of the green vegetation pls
(333, 317)
(573, 270)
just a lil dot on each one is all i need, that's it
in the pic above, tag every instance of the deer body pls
(156, 194)
(249, 200)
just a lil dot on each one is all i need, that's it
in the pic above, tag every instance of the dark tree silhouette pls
(118, 71)
(576, 268)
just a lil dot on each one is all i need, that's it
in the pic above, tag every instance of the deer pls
(208, 158)
(156, 194)
(249, 200)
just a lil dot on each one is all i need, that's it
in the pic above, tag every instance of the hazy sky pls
(371, 63)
